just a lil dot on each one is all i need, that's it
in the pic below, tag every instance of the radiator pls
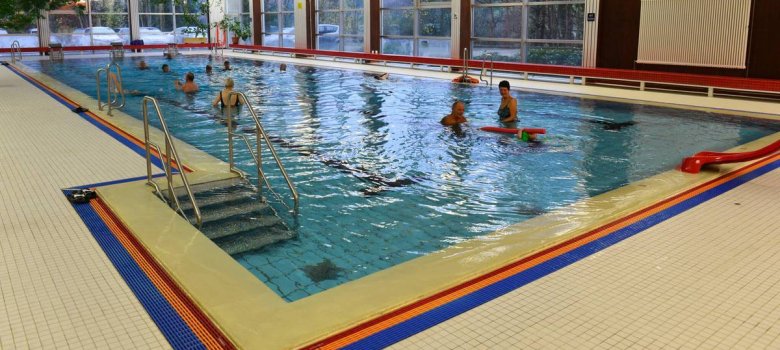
(706, 33)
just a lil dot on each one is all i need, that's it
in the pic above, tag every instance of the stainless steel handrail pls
(114, 91)
(16, 48)
(465, 64)
(482, 71)
(261, 135)
(170, 154)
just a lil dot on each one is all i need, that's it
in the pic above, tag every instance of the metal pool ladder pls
(483, 71)
(16, 48)
(115, 89)
(257, 155)
(170, 155)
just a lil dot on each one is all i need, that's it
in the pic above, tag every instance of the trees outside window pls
(530, 31)
(278, 23)
(340, 25)
(416, 27)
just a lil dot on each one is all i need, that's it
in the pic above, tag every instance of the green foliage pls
(18, 14)
(241, 30)
(567, 56)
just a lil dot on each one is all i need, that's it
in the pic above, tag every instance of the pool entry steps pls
(232, 213)
(235, 216)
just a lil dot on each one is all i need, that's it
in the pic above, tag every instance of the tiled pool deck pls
(702, 279)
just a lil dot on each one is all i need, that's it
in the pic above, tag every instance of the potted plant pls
(240, 30)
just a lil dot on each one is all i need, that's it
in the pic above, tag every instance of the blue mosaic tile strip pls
(172, 326)
(456, 307)
(134, 147)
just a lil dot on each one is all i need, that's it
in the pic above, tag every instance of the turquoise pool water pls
(382, 182)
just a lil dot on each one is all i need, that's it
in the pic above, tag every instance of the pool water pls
(382, 182)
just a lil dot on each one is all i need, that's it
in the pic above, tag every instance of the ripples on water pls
(382, 182)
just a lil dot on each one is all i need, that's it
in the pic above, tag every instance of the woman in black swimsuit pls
(224, 98)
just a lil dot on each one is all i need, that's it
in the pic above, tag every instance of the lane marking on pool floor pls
(406, 321)
(132, 142)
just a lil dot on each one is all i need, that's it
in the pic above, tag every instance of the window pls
(278, 23)
(106, 18)
(531, 31)
(340, 25)
(154, 17)
(416, 27)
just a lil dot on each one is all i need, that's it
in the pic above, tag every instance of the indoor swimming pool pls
(382, 182)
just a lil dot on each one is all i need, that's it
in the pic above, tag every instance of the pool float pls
(466, 79)
(525, 134)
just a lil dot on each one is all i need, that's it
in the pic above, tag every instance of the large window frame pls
(418, 40)
(525, 43)
(283, 36)
(342, 11)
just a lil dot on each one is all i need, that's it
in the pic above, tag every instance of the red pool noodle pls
(513, 131)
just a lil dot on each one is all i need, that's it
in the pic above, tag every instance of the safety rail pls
(218, 51)
(16, 48)
(465, 65)
(114, 86)
(55, 52)
(482, 71)
(117, 50)
(170, 155)
(261, 135)
(572, 74)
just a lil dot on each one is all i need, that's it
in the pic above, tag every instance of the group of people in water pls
(507, 110)
(223, 98)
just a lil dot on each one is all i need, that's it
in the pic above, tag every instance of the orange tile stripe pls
(102, 121)
(400, 315)
(200, 324)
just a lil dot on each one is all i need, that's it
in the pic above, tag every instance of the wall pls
(618, 40)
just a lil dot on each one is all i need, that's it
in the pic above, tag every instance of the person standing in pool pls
(208, 69)
(224, 98)
(507, 110)
(226, 65)
(456, 117)
(166, 68)
(189, 85)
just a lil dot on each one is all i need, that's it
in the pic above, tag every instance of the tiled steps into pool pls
(234, 216)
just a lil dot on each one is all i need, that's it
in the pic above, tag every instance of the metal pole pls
(229, 131)
(146, 144)
(169, 173)
(208, 21)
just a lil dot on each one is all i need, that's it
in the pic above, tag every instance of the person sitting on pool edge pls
(456, 117)
(189, 85)
(165, 68)
(224, 98)
(507, 110)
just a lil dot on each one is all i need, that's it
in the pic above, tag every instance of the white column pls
(216, 14)
(590, 35)
(44, 32)
(132, 10)
(366, 26)
(455, 29)
(300, 24)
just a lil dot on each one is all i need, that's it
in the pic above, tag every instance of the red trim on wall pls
(617, 74)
